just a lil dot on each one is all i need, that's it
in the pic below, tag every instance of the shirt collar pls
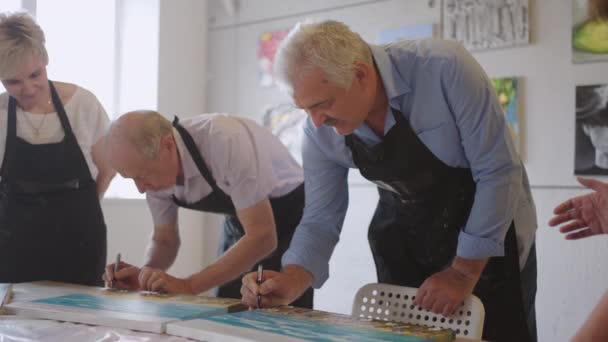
(394, 84)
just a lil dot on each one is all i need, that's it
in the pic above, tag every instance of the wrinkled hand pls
(125, 278)
(443, 292)
(278, 288)
(586, 215)
(156, 280)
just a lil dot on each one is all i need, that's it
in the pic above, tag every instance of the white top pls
(87, 117)
(247, 162)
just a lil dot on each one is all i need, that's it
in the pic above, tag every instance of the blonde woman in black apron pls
(52, 173)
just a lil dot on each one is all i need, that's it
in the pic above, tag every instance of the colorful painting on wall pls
(507, 90)
(589, 34)
(420, 31)
(486, 24)
(591, 137)
(267, 48)
(287, 123)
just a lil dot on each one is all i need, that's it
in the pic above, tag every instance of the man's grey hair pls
(328, 45)
(20, 35)
(143, 130)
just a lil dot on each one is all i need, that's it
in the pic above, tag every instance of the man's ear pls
(363, 72)
(168, 142)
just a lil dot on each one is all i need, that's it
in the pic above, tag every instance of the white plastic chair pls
(395, 303)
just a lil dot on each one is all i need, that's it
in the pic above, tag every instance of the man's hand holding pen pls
(276, 288)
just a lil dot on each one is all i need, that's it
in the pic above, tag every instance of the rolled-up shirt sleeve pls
(489, 148)
(326, 203)
(162, 208)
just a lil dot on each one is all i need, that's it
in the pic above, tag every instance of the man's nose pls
(318, 118)
(141, 186)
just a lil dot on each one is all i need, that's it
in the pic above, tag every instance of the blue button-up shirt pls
(451, 105)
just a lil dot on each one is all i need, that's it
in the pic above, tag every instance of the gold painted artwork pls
(174, 298)
(406, 329)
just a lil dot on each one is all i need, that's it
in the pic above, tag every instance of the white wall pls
(181, 45)
(572, 275)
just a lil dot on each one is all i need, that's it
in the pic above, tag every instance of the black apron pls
(414, 231)
(51, 224)
(287, 211)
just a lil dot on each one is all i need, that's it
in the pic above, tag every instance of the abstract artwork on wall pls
(267, 47)
(406, 32)
(287, 123)
(591, 137)
(486, 24)
(589, 35)
(507, 90)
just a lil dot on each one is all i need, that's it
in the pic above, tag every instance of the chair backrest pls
(395, 303)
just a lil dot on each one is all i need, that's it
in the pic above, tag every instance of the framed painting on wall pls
(486, 24)
(507, 90)
(267, 47)
(419, 31)
(591, 137)
(287, 123)
(589, 34)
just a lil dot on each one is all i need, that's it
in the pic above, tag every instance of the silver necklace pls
(34, 128)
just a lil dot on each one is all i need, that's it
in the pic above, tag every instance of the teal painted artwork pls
(318, 326)
(143, 307)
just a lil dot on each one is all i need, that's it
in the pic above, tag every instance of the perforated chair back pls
(396, 303)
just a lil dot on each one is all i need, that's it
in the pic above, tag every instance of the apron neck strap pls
(195, 154)
(63, 117)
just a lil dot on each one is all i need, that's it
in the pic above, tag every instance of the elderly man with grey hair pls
(53, 171)
(421, 120)
(213, 163)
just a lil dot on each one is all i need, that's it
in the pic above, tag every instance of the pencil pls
(260, 280)
(115, 270)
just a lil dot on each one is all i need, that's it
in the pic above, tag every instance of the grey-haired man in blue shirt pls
(421, 120)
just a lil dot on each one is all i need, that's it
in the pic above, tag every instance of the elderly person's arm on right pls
(595, 327)
(580, 217)
(306, 262)
(586, 215)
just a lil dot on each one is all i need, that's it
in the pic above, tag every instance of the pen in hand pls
(113, 282)
(259, 281)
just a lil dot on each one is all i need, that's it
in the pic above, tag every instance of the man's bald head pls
(141, 130)
(141, 147)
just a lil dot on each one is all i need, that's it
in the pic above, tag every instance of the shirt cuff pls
(318, 266)
(475, 247)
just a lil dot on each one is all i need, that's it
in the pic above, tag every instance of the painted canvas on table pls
(589, 34)
(591, 137)
(296, 324)
(267, 48)
(143, 311)
(420, 31)
(486, 24)
(507, 90)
